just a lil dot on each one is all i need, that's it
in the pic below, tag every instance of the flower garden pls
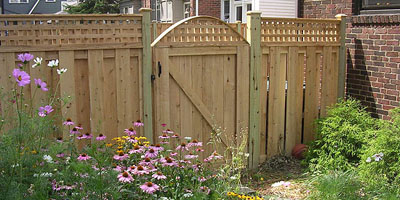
(354, 156)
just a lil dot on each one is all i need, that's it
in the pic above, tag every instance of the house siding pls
(373, 53)
(277, 8)
(43, 7)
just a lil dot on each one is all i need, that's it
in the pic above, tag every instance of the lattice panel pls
(200, 31)
(286, 30)
(66, 30)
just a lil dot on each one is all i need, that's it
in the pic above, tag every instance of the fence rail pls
(272, 75)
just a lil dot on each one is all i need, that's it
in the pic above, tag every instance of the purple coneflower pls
(125, 177)
(202, 179)
(121, 156)
(173, 154)
(159, 176)
(136, 149)
(151, 153)
(83, 156)
(74, 131)
(191, 156)
(163, 136)
(25, 57)
(79, 127)
(138, 123)
(68, 122)
(195, 143)
(87, 136)
(40, 84)
(130, 131)
(182, 147)
(131, 168)
(59, 139)
(175, 136)
(205, 189)
(80, 137)
(168, 131)
(146, 162)
(149, 187)
(168, 161)
(199, 150)
(158, 147)
(21, 77)
(100, 137)
(118, 168)
(140, 170)
(44, 111)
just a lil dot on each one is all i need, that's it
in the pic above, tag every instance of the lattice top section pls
(69, 30)
(287, 30)
(199, 31)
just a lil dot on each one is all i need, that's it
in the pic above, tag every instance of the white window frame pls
(242, 3)
(50, 1)
(184, 10)
(17, 1)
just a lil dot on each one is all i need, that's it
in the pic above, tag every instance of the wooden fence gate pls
(201, 72)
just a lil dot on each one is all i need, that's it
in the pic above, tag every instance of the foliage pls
(95, 7)
(380, 162)
(341, 137)
(37, 163)
(337, 185)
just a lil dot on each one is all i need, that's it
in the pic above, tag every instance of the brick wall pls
(373, 53)
(208, 7)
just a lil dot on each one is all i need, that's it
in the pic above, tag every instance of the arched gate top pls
(200, 31)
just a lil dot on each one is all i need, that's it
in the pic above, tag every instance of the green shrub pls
(380, 162)
(340, 137)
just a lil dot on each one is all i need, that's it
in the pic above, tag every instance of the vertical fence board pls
(96, 85)
(326, 85)
(197, 82)
(109, 86)
(294, 110)
(175, 102)
(186, 121)
(263, 104)
(229, 96)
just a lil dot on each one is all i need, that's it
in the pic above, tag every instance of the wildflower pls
(199, 150)
(101, 137)
(188, 195)
(151, 153)
(83, 156)
(168, 131)
(60, 155)
(59, 139)
(188, 138)
(175, 136)
(48, 158)
(109, 145)
(74, 131)
(118, 168)
(195, 143)
(34, 152)
(182, 147)
(38, 62)
(159, 176)
(125, 177)
(163, 136)
(368, 160)
(202, 179)
(21, 77)
(79, 127)
(53, 63)
(149, 187)
(136, 149)
(147, 162)
(205, 189)
(80, 137)
(68, 122)
(138, 123)
(44, 111)
(87, 136)
(378, 156)
(191, 156)
(121, 156)
(140, 170)
(163, 125)
(130, 131)
(40, 84)
(173, 154)
(168, 161)
(281, 183)
(61, 71)
(25, 57)
(158, 147)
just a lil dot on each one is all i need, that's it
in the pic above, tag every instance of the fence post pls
(239, 27)
(342, 55)
(254, 38)
(146, 74)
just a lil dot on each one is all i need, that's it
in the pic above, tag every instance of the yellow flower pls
(34, 152)
(120, 147)
(116, 138)
(120, 151)
(109, 145)
(262, 179)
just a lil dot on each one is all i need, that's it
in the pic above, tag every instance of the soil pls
(276, 169)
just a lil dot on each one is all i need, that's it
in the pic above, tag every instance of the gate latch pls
(159, 69)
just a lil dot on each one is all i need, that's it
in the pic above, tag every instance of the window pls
(249, 7)
(18, 1)
(379, 6)
(239, 13)
(186, 9)
(126, 10)
(50, 1)
(226, 10)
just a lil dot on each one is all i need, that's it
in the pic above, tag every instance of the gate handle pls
(159, 69)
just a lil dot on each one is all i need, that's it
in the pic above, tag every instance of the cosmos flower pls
(38, 62)
(21, 77)
(25, 57)
(53, 63)
(44, 111)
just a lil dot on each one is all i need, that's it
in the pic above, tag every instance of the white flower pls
(281, 183)
(378, 156)
(188, 138)
(187, 195)
(48, 158)
(368, 160)
(53, 63)
(38, 62)
(14, 165)
(61, 71)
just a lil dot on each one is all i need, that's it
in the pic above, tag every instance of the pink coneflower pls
(25, 57)
(80, 137)
(44, 111)
(163, 136)
(121, 156)
(199, 150)
(125, 177)
(173, 154)
(175, 136)
(138, 123)
(151, 153)
(68, 122)
(40, 84)
(131, 168)
(74, 131)
(202, 179)
(136, 149)
(87, 136)
(191, 156)
(83, 156)
(146, 162)
(182, 147)
(168, 161)
(60, 155)
(59, 139)
(185, 161)
(163, 125)
(132, 139)
(21, 77)
(130, 131)
(158, 147)
(79, 127)
(140, 170)
(217, 156)
(164, 142)
(195, 143)
(100, 137)
(205, 189)
(159, 176)
(169, 131)
(118, 168)
(149, 187)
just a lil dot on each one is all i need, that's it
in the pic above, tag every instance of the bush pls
(380, 162)
(340, 137)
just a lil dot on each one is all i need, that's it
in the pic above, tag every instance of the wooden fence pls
(273, 76)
